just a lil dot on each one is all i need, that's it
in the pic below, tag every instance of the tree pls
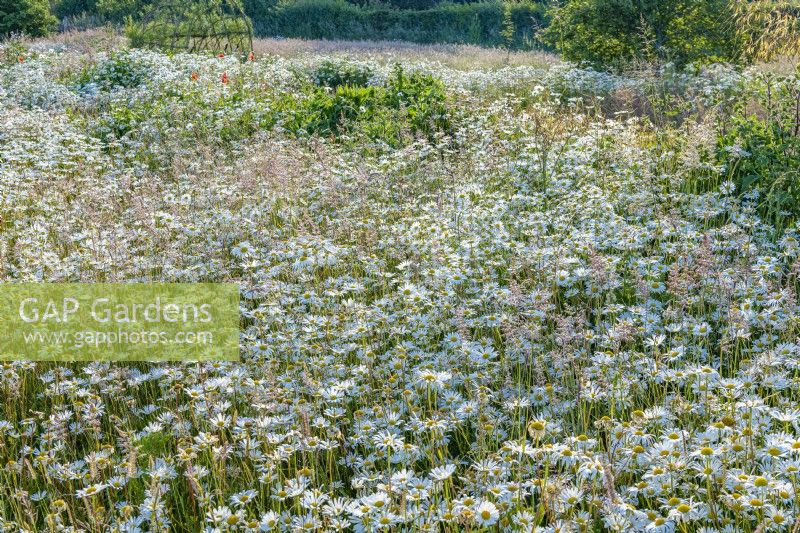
(118, 10)
(611, 32)
(508, 30)
(74, 8)
(30, 17)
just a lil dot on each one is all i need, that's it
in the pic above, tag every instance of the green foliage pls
(14, 51)
(479, 23)
(337, 100)
(120, 70)
(762, 149)
(406, 104)
(612, 32)
(193, 26)
(487, 23)
(117, 11)
(74, 8)
(508, 31)
(771, 163)
(512, 24)
(326, 113)
(594, 31)
(154, 445)
(29, 17)
(404, 4)
(422, 97)
(334, 74)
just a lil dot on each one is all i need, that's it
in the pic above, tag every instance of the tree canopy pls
(29, 17)
(607, 32)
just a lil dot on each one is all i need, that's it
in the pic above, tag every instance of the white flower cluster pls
(549, 320)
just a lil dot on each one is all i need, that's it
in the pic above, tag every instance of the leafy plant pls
(29, 17)
(335, 74)
(14, 52)
(423, 98)
(119, 70)
(763, 148)
(508, 31)
(332, 113)
(611, 32)
(118, 11)
(343, 106)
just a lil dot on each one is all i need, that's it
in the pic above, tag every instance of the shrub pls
(476, 23)
(766, 157)
(30, 17)
(422, 96)
(332, 114)
(610, 32)
(408, 103)
(488, 23)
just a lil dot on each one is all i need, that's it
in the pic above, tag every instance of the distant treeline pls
(486, 23)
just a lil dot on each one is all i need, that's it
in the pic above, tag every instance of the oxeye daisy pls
(441, 473)
(469, 297)
(90, 491)
(241, 499)
(486, 514)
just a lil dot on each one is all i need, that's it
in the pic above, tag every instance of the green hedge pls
(480, 23)
(476, 23)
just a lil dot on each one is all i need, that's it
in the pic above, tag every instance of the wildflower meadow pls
(522, 296)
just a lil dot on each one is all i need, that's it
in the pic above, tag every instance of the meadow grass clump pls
(486, 299)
